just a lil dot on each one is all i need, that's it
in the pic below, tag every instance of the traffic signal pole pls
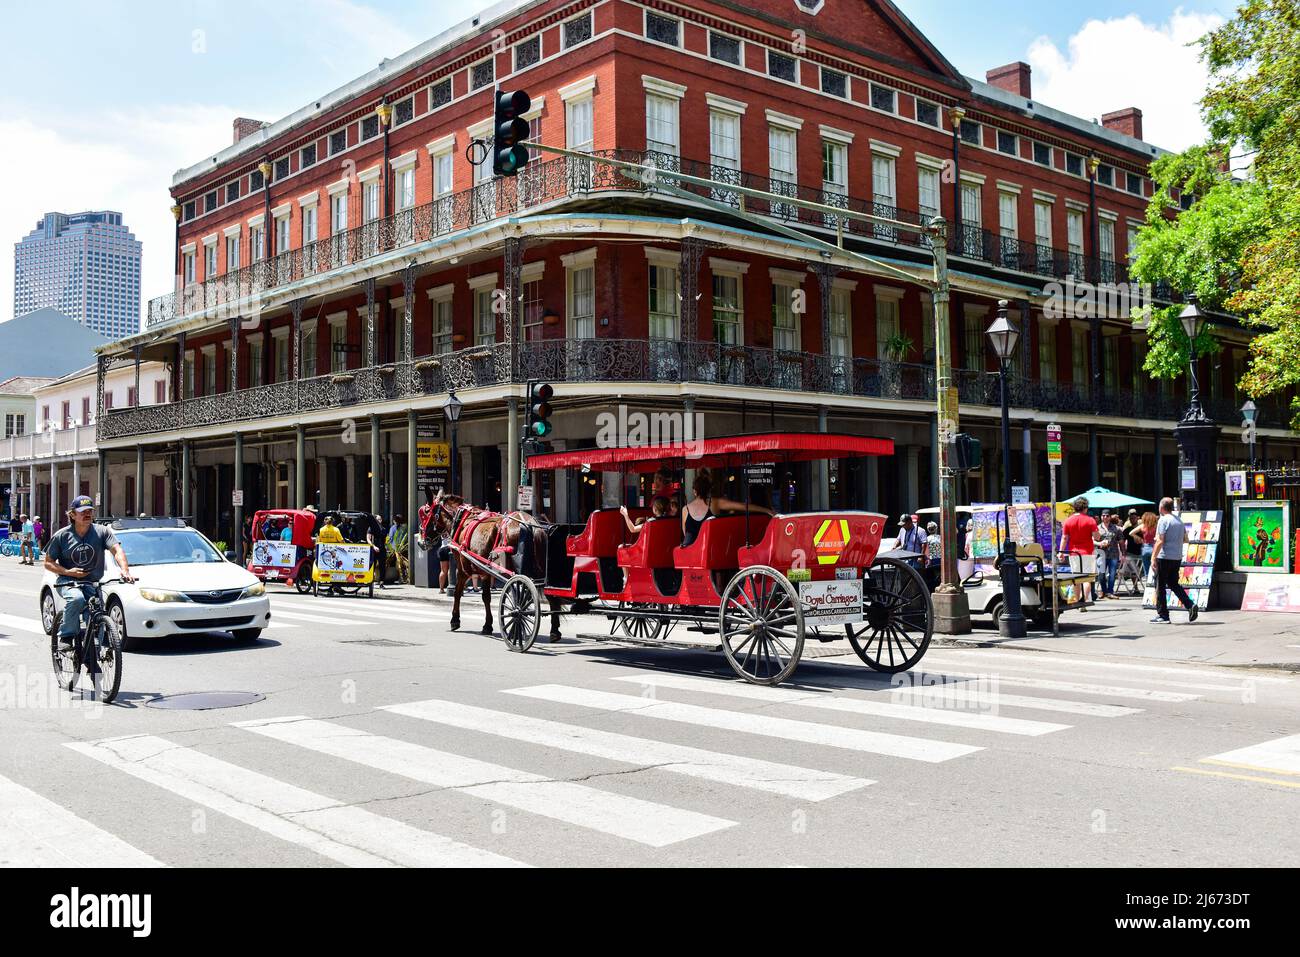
(952, 610)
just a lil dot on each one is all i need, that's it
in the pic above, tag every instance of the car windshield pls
(167, 547)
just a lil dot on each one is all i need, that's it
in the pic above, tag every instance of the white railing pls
(42, 445)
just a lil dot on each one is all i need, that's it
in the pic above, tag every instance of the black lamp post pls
(1249, 415)
(451, 409)
(1193, 321)
(1004, 336)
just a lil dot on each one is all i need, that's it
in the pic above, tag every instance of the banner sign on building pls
(432, 457)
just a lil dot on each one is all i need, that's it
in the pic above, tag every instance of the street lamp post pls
(1196, 434)
(1004, 336)
(451, 409)
(1249, 415)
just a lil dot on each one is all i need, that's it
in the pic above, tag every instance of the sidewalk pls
(1123, 629)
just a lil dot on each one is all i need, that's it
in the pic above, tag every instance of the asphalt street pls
(386, 739)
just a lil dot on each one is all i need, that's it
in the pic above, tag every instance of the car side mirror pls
(231, 556)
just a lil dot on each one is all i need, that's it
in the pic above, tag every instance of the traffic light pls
(510, 130)
(967, 455)
(538, 425)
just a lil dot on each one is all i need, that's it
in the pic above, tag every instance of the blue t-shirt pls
(1175, 533)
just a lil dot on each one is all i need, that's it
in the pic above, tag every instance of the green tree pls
(1238, 247)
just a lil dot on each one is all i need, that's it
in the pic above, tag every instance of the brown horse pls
(491, 536)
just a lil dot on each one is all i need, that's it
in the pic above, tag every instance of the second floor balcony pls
(20, 450)
(600, 363)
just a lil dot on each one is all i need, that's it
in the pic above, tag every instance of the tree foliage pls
(1238, 247)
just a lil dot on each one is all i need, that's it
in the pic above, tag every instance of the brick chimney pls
(1014, 78)
(1127, 121)
(246, 127)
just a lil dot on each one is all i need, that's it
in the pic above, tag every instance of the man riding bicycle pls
(76, 554)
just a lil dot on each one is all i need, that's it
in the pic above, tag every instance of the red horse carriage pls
(761, 582)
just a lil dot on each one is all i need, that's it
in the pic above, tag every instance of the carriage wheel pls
(760, 622)
(900, 618)
(519, 610)
(635, 626)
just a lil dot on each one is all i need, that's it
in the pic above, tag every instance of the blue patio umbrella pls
(1104, 498)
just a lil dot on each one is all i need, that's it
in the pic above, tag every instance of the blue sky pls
(135, 90)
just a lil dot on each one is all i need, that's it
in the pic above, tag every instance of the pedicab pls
(345, 567)
(276, 559)
(761, 583)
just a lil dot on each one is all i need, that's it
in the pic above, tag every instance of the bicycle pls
(99, 634)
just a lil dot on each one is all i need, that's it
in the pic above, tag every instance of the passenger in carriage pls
(705, 505)
(658, 509)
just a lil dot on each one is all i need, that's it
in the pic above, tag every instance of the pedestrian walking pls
(398, 537)
(1077, 538)
(38, 532)
(933, 554)
(1114, 547)
(910, 539)
(1171, 536)
(27, 548)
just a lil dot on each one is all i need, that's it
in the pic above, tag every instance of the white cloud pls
(1124, 61)
(122, 161)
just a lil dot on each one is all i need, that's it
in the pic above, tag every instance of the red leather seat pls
(604, 533)
(719, 541)
(654, 545)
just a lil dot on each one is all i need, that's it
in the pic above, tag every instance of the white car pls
(183, 586)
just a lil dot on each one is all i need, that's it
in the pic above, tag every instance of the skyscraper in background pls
(85, 265)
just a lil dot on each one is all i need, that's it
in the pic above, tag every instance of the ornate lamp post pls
(1196, 434)
(1004, 335)
(1249, 415)
(451, 410)
(956, 115)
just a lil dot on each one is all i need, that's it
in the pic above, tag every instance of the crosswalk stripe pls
(802, 784)
(1110, 691)
(319, 619)
(368, 612)
(619, 815)
(823, 701)
(349, 835)
(36, 832)
(999, 698)
(1069, 672)
(1112, 665)
(1280, 756)
(852, 739)
(32, 625)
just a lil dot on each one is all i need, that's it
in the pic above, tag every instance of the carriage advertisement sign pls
(340, 561)
(269, 554)
(830, 603)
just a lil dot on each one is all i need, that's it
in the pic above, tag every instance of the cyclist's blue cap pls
(83, 503)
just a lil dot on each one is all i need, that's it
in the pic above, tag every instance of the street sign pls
(237, 498)
(1055, 448)
(1020, 495)
(525, 498)
(759, 474)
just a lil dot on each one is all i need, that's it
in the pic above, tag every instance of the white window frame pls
(783, 157)
(1047, 351)
(663, 115)
(308, 355)
(662, 269)
(441, 302)
(731, 272)
(338, 331)
(482, 288)
(889, 317)
(581, 324)
(791, 325)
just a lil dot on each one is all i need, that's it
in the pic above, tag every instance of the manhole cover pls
(379, 642)
(205, 700)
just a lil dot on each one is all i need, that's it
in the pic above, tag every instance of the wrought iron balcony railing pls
(568, 178)
(604, 361)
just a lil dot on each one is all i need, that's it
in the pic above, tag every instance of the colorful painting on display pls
(1261, 537)
(1201, 551)
(987, 529)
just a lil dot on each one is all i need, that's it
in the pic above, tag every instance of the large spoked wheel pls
(303, 582)
(900, 617)
(106, 673)
(761, 625)
(519, 609)
(640, 627)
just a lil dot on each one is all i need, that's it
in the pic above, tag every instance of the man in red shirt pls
(1078, 531)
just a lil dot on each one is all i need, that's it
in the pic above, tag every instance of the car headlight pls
(159, 594)
(254, 590)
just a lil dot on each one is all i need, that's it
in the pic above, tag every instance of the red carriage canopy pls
(722, 452)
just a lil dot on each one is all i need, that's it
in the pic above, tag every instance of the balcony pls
(548, 183)
(600, 362)
(51, 443)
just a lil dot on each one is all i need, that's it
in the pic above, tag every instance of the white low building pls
(55, 456)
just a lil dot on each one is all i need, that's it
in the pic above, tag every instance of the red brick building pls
(339, 267)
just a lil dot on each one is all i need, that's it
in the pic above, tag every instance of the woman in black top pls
(705, 505)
